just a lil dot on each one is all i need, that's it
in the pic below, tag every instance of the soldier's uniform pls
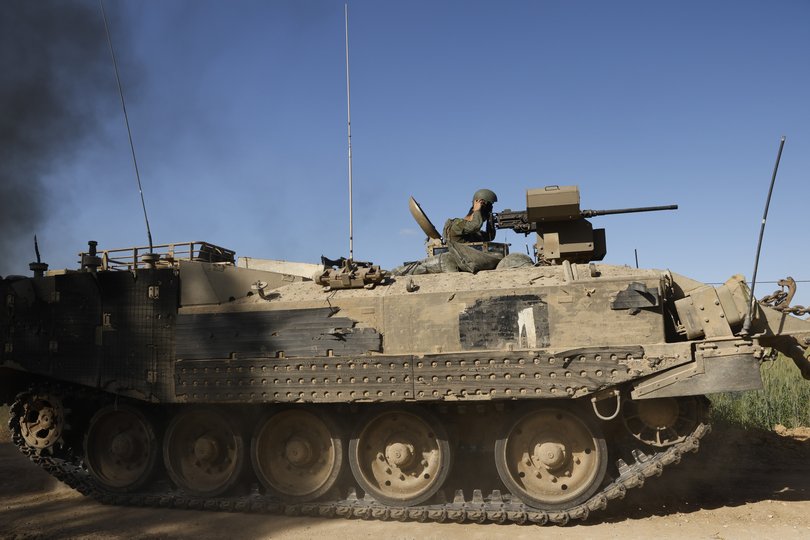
(463, 230)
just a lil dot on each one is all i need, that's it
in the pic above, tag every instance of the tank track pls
(463, 507)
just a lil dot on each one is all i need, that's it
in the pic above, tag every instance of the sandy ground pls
(741, 485)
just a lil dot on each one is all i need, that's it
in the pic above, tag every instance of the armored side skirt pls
(438, 377)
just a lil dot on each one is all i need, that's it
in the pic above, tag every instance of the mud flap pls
(732, 373)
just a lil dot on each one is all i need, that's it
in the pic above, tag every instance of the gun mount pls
(563, 232)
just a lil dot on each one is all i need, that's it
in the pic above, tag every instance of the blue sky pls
(238, 112)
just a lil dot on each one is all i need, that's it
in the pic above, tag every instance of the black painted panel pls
(492, 323)
(295, 333)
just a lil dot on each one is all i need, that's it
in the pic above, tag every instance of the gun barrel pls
(520, 222)
(593, 213)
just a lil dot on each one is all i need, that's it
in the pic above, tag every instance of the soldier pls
(468, 228)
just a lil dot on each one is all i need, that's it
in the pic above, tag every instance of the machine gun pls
(563, 232)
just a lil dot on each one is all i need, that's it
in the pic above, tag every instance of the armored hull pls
(527, 394)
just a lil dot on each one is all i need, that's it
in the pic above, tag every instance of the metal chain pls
(780, 299)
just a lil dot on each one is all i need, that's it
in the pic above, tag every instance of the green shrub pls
(784, 400)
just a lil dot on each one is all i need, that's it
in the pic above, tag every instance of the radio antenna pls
(349, 127)
(747, 323)
(126, 121)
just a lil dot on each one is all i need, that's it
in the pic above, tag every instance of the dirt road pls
(741, 485)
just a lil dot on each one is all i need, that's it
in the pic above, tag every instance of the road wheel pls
(203, 451)
(401, 457)
(296, 454)
(551, 458)
(120, 448)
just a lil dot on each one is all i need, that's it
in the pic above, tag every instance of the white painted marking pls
(526, 328)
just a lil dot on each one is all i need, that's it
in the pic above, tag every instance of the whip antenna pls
(747, 324)
(126, 121)
(349, 126)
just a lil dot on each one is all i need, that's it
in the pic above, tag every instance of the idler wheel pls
(120, 448)
(203, 451)
(401, 457)
(551, 458)
(297, 455)
(662, 422)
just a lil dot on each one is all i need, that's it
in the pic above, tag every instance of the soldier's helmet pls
(485, 195)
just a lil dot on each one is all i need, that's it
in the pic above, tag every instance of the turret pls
(563, 232)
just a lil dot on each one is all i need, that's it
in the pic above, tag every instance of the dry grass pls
(785, 400)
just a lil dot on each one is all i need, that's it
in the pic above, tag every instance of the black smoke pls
(56, 83)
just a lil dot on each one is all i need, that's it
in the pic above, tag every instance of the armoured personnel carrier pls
(537, 394)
